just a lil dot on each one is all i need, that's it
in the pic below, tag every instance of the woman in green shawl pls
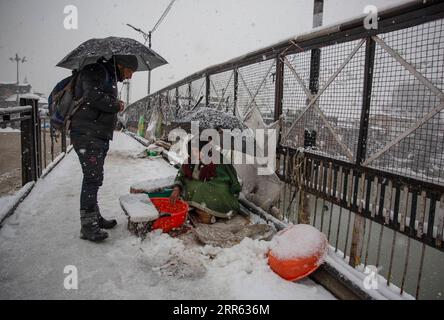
(214, 187)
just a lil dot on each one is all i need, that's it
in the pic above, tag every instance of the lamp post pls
(147, 36)
(17, 59)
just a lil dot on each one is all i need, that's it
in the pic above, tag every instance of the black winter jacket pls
(97, 115)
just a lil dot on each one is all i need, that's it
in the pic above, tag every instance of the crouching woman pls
(213, 188)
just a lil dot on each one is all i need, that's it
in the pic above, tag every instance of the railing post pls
(304, 210)
(315, 62)
(177, 98)
(29, 144)
(279, 88)
(236, 88)
(44, 143)
(359, 224)
(366, 100)
(51, 129)
(189, 95)
(26, 147)
(207, 90)
(38, 127)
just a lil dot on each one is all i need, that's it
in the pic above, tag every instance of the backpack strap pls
(108, 79)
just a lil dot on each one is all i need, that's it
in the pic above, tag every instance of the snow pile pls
(241, 258)
(243, 272)
(139, 207)
(299, 241)
(169, 257)
(154, 185)
(239, 272)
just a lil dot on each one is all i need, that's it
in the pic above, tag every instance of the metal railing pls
(34, 130)
(361, 147)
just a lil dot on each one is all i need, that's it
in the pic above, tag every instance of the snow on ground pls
(8, 202)
(42, 237)
(9, 130)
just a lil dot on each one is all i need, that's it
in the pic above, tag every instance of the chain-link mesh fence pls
(256, 89)
(367, 107)
(222, 91)
(400, 102)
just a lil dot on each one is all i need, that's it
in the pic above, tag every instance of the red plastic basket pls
(175, 216)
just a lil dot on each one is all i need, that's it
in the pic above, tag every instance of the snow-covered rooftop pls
(13, 97)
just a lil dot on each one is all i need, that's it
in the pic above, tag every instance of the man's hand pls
(175, 195)
(122, 105)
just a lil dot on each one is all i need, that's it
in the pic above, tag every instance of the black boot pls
(105, 224)
(90, 227)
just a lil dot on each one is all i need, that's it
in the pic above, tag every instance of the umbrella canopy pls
(212, 119)
(93, 49)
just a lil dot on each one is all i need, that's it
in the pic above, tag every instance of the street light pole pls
(17, 59)
(147, 36)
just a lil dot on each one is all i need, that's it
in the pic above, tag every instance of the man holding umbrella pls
(102, 63)
(92, 127)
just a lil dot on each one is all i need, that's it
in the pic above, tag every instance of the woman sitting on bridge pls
(212, 188)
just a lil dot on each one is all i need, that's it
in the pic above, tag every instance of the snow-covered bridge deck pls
(42, 237)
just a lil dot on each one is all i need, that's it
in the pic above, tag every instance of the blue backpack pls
(62, 103)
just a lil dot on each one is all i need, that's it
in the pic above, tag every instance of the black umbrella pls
(93, 49)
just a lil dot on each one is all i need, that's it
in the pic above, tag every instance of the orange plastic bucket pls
(298, 267)
(170, 216)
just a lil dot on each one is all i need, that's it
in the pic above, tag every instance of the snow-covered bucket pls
(297, 251)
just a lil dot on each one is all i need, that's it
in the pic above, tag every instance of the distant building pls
(7, 89)
(8, 94)
(8, 97)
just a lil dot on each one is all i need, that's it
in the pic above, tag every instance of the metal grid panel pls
(257, 78)
(165, 107)
(171, 101)
(184, 96)
(222, 91)
(400, 100)
(294, 97)
(198, 88)
(336, 122)
(137, 109)
(147, 107)
(341, 102)
(171, 96)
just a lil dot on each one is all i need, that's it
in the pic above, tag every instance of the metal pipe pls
(347, 234)
(367, 249)
(391, 258)
(421, 265)
(44, 142)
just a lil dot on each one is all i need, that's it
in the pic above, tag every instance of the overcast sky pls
(194, 35)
